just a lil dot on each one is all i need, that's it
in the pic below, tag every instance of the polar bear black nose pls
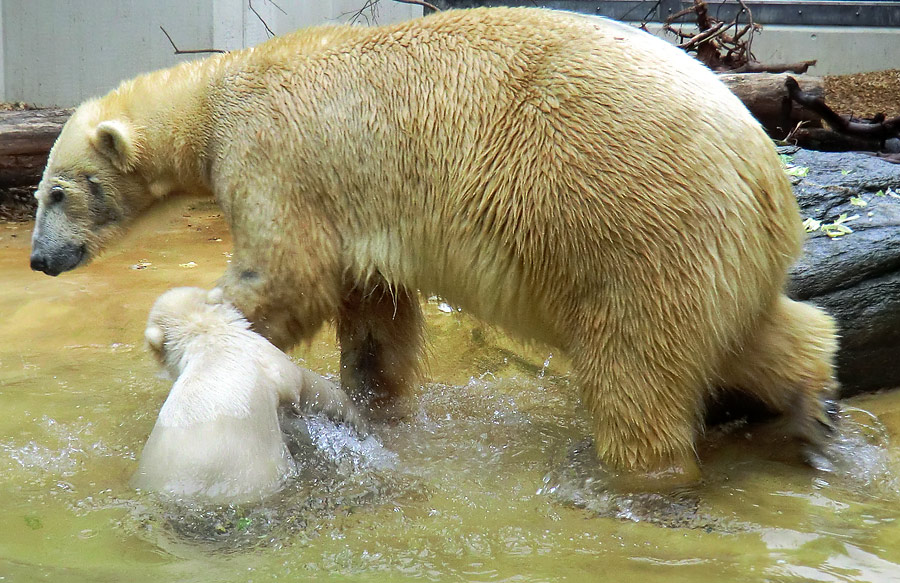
(38, 262)
(58, 258)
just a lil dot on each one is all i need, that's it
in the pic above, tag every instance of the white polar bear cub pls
(217, 437)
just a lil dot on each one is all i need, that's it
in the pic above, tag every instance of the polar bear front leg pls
(286, 307)
(380, 329)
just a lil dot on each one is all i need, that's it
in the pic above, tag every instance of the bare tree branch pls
(754, 67)
(280, 9)
(371, 6)
(715, 30)
(357, 15)
(422, 3)
(710, 40)
(878, 128)
(188, 51)
(261, 19)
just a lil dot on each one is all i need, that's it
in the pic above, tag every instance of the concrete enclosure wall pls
(2, 42)
(59, 52)
(839, 49)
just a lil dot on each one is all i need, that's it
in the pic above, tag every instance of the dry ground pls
(865, 94)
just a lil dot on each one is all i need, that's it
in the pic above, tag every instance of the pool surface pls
(490, 478)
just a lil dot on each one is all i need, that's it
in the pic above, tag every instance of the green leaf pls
(33, 522)
(799, 171)
(857, 201)
(838, 228)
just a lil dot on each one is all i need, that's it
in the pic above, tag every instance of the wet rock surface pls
(851, 264)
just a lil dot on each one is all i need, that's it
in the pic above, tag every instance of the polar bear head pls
(182, 314)
(91, 188)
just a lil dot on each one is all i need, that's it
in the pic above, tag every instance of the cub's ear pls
(155, 337)
(215, 296)
(116, 140)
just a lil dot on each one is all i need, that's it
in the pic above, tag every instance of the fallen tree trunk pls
(25, 141)
(767, 98)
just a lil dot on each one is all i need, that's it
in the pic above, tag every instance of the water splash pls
(315, 439)
(59, 453)
(861, 458)
(337, 471)
(581, 481)
(545, 366)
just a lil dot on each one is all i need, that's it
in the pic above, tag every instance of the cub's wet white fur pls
(217, 437)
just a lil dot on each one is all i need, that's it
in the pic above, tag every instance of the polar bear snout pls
(55, 259)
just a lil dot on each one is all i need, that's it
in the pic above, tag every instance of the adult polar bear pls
(570, 179)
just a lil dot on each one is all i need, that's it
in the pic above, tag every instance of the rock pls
(851, 266)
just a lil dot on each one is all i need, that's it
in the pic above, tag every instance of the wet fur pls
(572, 180)
(217, 437)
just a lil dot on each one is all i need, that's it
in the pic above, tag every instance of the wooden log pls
(765, 95)
(25, 141)
(825, 140)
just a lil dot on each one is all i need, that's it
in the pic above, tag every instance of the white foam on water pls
(334, 443)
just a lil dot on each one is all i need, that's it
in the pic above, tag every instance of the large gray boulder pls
(851, 264)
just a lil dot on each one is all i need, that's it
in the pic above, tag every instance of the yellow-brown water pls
(490, 479)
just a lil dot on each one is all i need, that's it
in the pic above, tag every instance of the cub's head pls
(91, 187)
(183, 315)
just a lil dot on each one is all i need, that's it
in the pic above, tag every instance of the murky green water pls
(489, 480)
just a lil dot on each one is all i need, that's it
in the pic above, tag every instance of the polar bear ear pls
(215, 296)
(155, 337)
(115, 139)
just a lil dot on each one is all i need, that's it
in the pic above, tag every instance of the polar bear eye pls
(57, 194)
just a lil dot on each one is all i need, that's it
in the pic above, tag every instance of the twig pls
(356, 15)
(679, 14)
(704, 36)
(879, 129)
(188, 51)
(754, 67)
(644, 20)
(280, 9)
(261, 19)
(370, 5)
(750, 26)
(422, 3)
(710, 41)
(789, 138)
